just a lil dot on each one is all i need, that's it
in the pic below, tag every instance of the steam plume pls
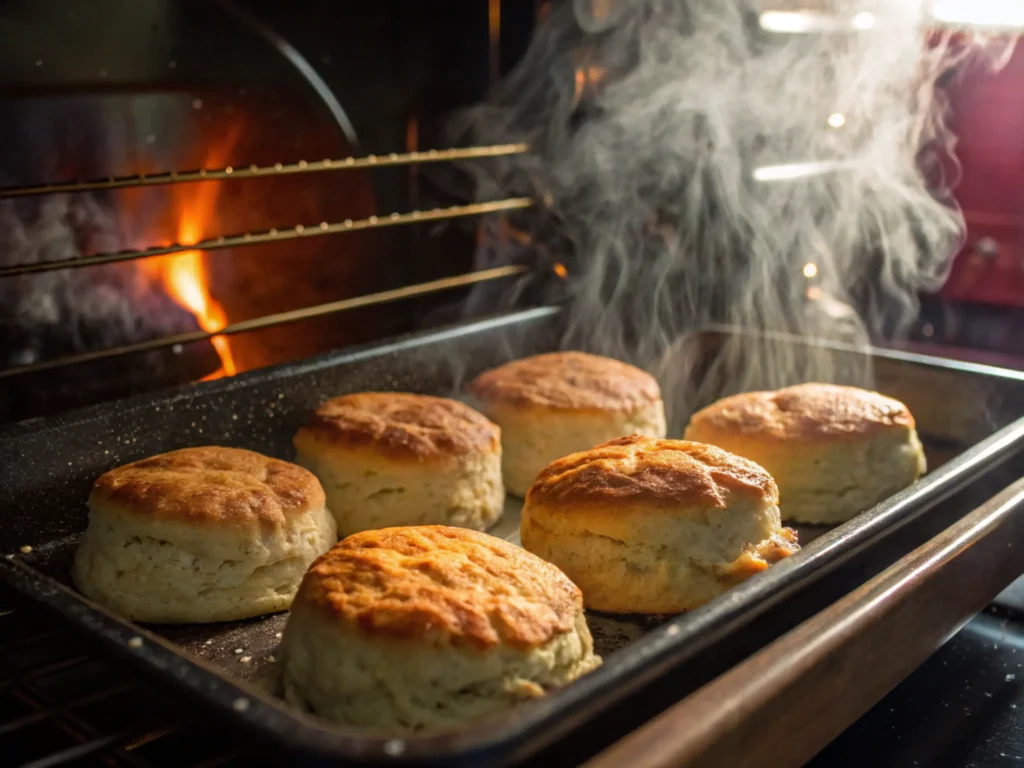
(664, 135)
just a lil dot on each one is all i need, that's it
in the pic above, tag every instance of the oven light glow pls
(837, 120)
(982, 13)
(803, 22)
(864, 20)
(810, 270)
(788, 21)
(791, 171)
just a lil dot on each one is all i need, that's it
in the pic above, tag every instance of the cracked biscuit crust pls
(834, 451)
(201, 535)
(655, 526)
(398, 425)
(445, 585)
(568, 381)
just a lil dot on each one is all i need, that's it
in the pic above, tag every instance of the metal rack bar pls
(46, 668)
(59, 713)
(150, 736)
(282, 318)
(274, 235)
(77, 752)
(277, 169)
(47, 713)
(20, 642)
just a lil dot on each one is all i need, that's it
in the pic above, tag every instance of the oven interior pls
(312, 150)
(132, 89)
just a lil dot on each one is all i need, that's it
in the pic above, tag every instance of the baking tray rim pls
(396, 344)
(621, 675)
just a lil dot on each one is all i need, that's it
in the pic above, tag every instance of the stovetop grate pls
(62, 705)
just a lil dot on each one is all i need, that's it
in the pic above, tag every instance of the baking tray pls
(969, 418)
(781, 701)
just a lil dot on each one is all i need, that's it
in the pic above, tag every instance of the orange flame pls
(185, 279)
(184, 275)
(587, 79)
(589, 76)
(560, 270)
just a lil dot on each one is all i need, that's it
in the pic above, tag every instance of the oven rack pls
(256, 171)
(281, 318)
(62, 705)
(272, 235)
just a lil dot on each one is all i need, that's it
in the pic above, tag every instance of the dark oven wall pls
(120, 87)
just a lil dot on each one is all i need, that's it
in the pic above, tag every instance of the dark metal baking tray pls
(969, 418)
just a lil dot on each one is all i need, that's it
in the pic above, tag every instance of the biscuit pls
(549, 406)
(655, 526)
(834, 451)
(423, 628)
(201, 535)
(390, 458)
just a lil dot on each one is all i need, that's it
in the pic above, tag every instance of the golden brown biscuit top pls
(401, 424)
(568, 381)
(212, 486)
(665, 474)
(442, 585)
(804, 412)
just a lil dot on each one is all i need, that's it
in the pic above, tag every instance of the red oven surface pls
(988, 118)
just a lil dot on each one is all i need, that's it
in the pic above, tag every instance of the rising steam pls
(690, 174)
